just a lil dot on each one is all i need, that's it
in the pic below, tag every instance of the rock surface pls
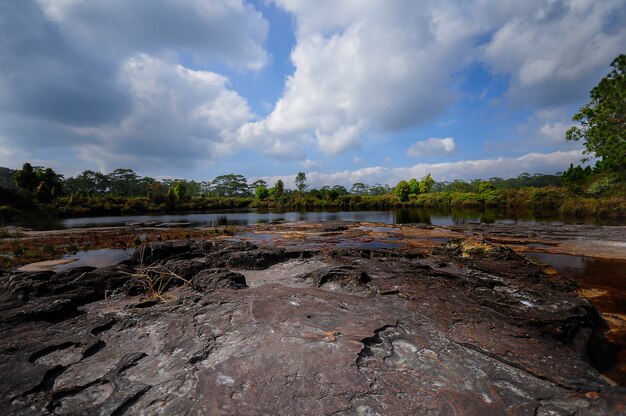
(320, 323)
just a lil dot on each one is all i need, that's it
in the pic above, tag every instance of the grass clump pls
(154, 280)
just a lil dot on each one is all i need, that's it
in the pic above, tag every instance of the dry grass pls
(154, 280)
(473, 245)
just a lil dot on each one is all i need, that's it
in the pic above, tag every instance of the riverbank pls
(542, 202)
(324, 318)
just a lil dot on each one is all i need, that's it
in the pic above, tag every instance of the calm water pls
(248, 217)
(96, 258)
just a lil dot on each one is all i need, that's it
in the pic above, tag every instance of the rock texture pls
(316, 327)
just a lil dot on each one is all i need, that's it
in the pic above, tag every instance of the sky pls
(347, 91)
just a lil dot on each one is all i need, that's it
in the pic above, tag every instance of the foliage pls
(575, 175)
(359, 188)
(180, 192)
(402, 191)
(257, 183)
(261, 192)
(414, 186)
(229, 185)
(486, 186)
(602, 122)
(43, 184)
(88, 182)
(602, 185)
(26, 178)
(301, 182)
(426, 184)
(277, 190)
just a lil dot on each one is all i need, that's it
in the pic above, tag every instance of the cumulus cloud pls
(432, 147)
(102, 78)
(556, 51)
(465, 169)
(363, 66)
(231, 31)
(177, 116)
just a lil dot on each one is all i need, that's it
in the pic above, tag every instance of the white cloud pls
(555, 51)
(464, 169)
(231, 31)
(310, 164)
(555, 131)
(432, 147)
(362, 66)
(178, 116)
(366, 65)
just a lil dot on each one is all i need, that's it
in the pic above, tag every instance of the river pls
(440, 217)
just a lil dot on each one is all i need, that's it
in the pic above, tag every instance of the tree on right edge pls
(602, 122)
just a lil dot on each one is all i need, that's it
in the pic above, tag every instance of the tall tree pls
(88, 182)
(43, 184)
(278, 189)
(426, 184)
(301, 181)
(359, 188)
(230, 185)
(602, 122)
(26, 178)
(124, 182)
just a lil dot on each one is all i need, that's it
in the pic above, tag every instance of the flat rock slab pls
(453, 330)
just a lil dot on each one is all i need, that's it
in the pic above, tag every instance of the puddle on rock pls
(94, 258)
(603, 283)
(374, 245)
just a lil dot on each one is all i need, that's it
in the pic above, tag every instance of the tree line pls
(44, 184)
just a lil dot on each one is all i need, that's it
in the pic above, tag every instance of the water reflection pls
(444, 217)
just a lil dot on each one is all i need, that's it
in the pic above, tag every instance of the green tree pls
(486, 186)
(576, 175)
(602, 122)
(278, 189)
(378, 189)
(340, 190)
(426, 184)
(180, 192)
(261, 192)
(257, 183)
(230, 185)
(301, 182)
(88, 182)
(359, 188)
(124, 182)
(26, 178)
(402, 191)
(43, 184)
(414, 186)
(459, 185)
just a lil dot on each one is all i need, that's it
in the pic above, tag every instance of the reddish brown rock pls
(349, 330)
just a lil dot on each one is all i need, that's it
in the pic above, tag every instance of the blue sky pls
(346, 91)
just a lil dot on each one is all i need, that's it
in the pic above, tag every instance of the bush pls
(601, 186)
